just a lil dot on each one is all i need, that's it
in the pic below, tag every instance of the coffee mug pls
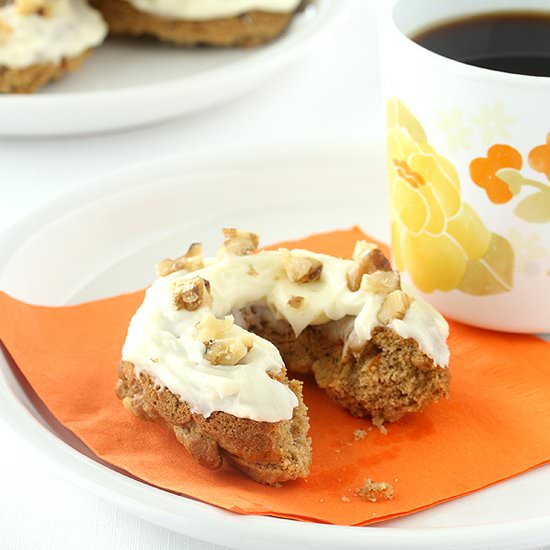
(468, 158)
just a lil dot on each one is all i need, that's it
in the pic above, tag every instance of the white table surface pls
(331, 95)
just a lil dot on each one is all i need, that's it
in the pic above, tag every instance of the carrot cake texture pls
(242, 23)
(210, 350)
(41, 40)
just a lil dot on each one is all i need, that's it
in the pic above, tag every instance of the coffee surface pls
(511, 42)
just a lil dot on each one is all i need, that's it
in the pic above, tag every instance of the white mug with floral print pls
(469, 173)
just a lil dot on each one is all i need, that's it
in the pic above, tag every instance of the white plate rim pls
(164, 506)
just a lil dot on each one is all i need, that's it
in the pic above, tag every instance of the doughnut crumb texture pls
(31, 79)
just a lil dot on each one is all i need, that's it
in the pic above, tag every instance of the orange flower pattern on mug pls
(539, 158)
(484, 172)
(499, 174)
(437, 238)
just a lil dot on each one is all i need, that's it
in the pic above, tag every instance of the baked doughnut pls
(41, 40)
(208, 350)
(242, 23)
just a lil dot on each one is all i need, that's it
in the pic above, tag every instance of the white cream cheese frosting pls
(71, 28)
(211, 9)
(164, 342)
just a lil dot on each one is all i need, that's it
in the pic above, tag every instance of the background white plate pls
(105, 239)
(128, 83)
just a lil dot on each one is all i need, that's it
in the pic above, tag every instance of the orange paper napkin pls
(496, 424)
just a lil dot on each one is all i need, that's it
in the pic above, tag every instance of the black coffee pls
(511, 42)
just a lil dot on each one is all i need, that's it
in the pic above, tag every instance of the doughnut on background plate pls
(127, 82)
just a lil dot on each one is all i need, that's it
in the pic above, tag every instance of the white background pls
(331, 95)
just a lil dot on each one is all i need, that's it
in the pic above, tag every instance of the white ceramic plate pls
(105, 238)
(128, 83)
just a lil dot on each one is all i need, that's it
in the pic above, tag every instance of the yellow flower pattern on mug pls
(437, 238)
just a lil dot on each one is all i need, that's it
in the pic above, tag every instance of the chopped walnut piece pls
(296, 302)
(239, 242)
(361, 248)
(38, 7)
(251, 271)
(228, 351)
(5, 31)
(299, 269)
(395, 306)
(359, 434)
(373, 491)
(222, 349)
(190, 261)
(367, 262)
(382, 282)
(194, 257)
(168, 266)
(211, 328)
(191, 294)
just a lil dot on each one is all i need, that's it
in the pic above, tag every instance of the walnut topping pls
(191, 294)
(367, 261)
(228, 351)
(211, 328)
(296, 302)
(382, 282)
(301, 270)
(190, 261)
(37, 7)
(361, 248)
(395, 306)
(239, 242)
(220, 348)
(251, 271)
(5, 31)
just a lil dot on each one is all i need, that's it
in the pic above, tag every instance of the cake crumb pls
(379, 423)
(345, 499)
(373, 491)
(321, 500)
(359, 434)
(337, 450)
